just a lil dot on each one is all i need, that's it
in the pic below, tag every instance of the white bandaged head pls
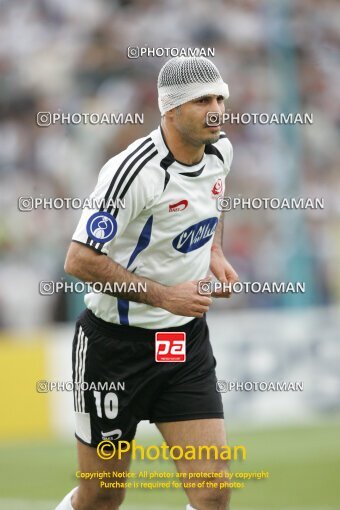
(183, 79)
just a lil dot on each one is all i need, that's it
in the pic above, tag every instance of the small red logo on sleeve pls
(170, 347)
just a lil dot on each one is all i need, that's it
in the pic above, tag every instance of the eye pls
(202, 100)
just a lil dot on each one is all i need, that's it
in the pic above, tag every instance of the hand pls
(183, 299)
(223, 271)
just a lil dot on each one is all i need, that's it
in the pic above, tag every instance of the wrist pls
(216, 249)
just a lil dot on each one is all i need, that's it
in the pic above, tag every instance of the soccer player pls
(155, 249)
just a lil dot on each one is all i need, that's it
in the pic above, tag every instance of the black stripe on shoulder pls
(130, 181)
(165, 163)
(211, 149)
(120, 168)
(222, 135)
(127, 171)
(121, 181)
(134, 175)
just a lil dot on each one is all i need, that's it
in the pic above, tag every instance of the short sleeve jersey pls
(156, 217)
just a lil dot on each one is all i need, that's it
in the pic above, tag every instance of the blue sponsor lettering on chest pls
(195, 236)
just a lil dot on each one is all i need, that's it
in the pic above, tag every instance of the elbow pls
(69, 265)
(79, 260)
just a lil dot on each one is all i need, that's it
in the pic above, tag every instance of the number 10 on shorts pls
(170, 347)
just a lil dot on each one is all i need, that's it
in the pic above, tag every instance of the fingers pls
(221, 295)
(224, 289)
(203, 300)
(199, 314)
(185, 300)
(232, 277)
(200, 305)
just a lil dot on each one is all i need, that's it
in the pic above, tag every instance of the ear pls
(170, 114)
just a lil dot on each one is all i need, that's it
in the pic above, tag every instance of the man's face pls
(190, 119)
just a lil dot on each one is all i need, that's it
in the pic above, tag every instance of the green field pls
(303, 462)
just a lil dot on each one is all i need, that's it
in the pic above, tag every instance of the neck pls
(182, 150)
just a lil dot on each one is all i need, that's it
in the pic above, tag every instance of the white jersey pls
(166, 228)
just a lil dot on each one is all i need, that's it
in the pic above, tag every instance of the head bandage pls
(183, 79)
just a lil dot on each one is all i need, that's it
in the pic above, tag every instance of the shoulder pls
(135, 168)
(223, 150)
(223, 145)
(136, 156)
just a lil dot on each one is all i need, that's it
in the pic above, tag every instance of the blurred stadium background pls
(277, 56)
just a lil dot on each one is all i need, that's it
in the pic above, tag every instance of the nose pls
(217, 106)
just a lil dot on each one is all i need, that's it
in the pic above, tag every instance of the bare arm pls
(218, 236)
(219, 265)
(88, 265)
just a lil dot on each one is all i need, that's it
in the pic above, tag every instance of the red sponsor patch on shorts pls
(170, 347)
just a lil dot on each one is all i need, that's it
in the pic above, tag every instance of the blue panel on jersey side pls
(123, 310)
(195, 236)
(143, 241)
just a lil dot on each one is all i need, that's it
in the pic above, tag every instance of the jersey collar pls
(182, 168)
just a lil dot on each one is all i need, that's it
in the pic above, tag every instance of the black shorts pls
(118, 383)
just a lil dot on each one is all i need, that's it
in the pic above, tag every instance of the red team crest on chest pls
(217, 189)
